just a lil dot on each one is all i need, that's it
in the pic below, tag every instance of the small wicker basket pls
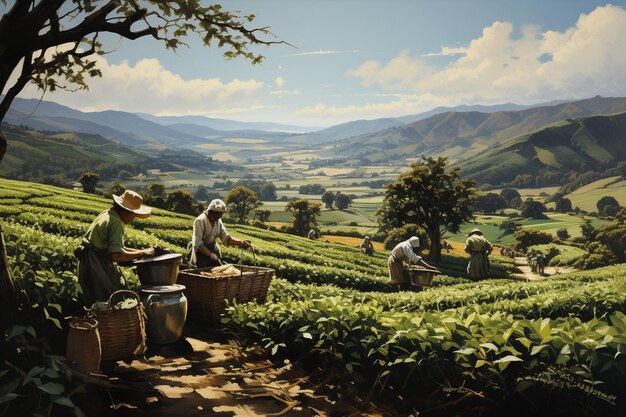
(83, 345)
(122, 332)
(208, 295)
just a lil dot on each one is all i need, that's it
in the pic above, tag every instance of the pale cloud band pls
(324, 52)
(149, 87)
(582, 61)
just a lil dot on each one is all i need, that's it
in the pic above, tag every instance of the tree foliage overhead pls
(53, 43)
(431, 196)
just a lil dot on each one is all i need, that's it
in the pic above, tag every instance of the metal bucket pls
(166, 308)
(159, 270)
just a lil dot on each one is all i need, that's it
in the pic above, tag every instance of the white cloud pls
(281, 93)
(280, 81)
(149, 87)
(582, 61)
(448, 51)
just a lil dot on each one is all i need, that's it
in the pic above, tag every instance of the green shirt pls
(107, 232)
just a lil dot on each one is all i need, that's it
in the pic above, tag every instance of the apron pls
(203, 261)
(98, 276)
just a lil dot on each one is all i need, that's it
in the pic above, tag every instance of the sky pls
(362, 59)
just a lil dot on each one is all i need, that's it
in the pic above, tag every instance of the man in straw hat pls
(479, 249)
(206, 229)
(406, 251)
(103, 244)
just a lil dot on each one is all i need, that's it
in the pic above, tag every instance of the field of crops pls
(494, 344)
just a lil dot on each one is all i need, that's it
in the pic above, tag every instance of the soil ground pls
(204, 374)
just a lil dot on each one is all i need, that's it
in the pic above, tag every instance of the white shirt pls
(205, 232)
(404, 252)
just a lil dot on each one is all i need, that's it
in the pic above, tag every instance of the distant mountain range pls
(462, 135)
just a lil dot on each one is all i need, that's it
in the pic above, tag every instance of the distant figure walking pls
(366, 246)
(479, 249)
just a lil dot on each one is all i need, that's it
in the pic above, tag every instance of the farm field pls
(588, 195)
(331, 305)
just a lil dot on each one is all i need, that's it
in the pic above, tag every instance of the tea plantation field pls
(496, 345)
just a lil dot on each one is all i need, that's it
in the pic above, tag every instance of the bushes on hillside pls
(528, 237)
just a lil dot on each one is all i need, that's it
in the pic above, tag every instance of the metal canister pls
(166, 309)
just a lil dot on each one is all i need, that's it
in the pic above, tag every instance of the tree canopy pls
(431, 196)
(89, 181)
(305, 215)
(53, 43)
(242, 201)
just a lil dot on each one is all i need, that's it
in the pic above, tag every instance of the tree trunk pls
(435, 245)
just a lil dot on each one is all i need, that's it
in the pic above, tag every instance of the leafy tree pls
(156, 189)
(509, 194)
(533, 209)
(117, 188)
(515, 202)
(181, 202)
(89, 181)
(242, 201)
(588, 231)
(508, 227)
(305, 215)
(328, 198)
(431, 196)
(605, 202)
(343, 201)
(267, 191)
(263, 215)
(563, 205)
(490, 203)
(562, 234)
(57, 40)
(403, 233)
(525, 238)
(202, 193)
(125, 174)
(312, 189)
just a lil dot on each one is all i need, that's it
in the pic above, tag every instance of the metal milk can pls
(166, 308)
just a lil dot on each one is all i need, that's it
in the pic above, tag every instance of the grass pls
(587, 196)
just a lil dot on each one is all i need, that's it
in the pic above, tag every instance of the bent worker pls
(312, 234)
(206, 229)
(103, 246)
(366, 246)
(406, 251)
(479, 249)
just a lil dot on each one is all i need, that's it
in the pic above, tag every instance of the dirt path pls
(526, 274)
(199, 376)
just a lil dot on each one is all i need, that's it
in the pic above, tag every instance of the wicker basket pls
(420, 277)
(122, 332)
(208, 295)
(83, 345)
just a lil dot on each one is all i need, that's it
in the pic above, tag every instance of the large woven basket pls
(122, 332)
(208, 295)
(420, 277)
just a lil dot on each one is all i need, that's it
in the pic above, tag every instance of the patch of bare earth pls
(202, 375)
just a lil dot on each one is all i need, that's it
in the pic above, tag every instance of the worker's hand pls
(148, 252)
(246, 244)
(213, 257)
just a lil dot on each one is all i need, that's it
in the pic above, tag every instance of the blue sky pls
(362, 59)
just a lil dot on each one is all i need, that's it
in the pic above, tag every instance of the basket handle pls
(133, 294)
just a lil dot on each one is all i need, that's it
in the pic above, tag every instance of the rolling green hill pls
(571, 146)
(39, 155)
(461, 135)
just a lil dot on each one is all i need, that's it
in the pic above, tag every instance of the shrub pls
(562, 234)
(400, 234)
(528, 237)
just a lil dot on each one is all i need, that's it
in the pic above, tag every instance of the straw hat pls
(475, 231)
(217, 205)
(414, 241)
(131, 201)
